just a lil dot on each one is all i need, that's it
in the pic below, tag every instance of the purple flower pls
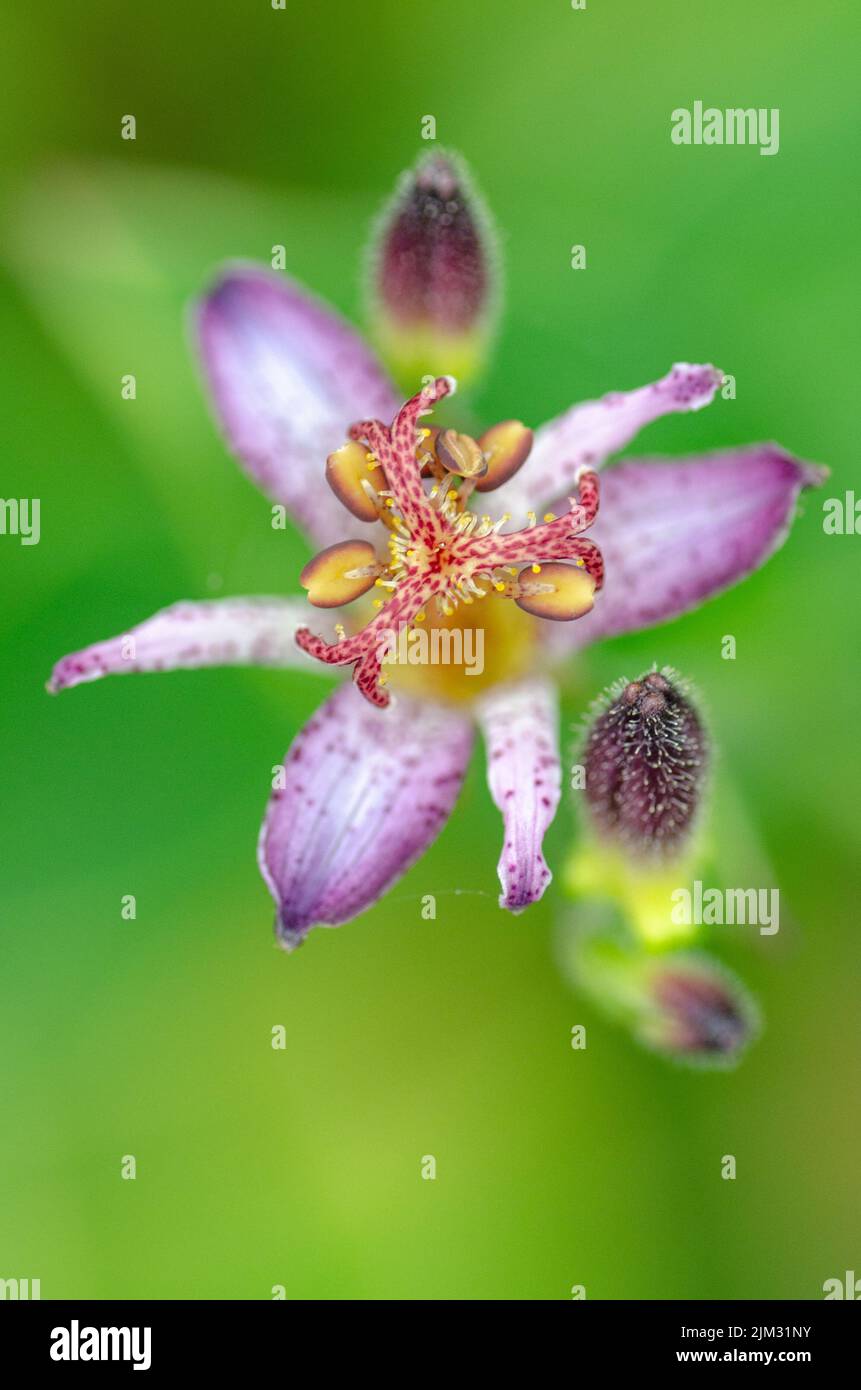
(365, 789)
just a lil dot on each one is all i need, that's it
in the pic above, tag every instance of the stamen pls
(438, 549)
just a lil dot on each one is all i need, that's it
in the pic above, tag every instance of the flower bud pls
(645, 759)
(681, 1004)
(695, 1010)
(432, 273)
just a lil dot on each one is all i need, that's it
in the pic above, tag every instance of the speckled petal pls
(587, 434)
(520, 724)
(365, 792)
(225, 632)
(674, 533)
(287, 377)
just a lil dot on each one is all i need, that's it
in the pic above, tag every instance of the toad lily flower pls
(369, 782)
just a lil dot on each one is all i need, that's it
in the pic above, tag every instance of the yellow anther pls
(384, 676)
(452, 496)
(379, 583)
(390, 501)
(340, 631)
(549, 516)
(420, 617)
(531, 518)
(499, 587)
(378, 603)
(425, 434)
(536, 569)
(372, 458)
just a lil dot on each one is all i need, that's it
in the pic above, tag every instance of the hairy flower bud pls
(645, 759)
(432, 273)
(695, 1010)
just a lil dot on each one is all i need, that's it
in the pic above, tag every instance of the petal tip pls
(693, 385)
(517, 896)
(799, 471)
(69, 671)
(813, 474)
(290, 936)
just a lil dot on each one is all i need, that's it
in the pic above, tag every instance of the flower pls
(366, 789)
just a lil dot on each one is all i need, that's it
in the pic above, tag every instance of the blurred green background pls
(405, 1037)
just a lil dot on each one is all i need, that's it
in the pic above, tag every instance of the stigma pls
(425, 486)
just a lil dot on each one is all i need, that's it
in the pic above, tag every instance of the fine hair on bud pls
(646, 761)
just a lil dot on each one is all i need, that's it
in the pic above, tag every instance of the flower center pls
(441, 552)
(464, 653)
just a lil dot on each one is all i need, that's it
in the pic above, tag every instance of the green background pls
(405, 1037)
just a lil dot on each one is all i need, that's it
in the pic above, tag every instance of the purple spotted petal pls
(365, 792)
(288, 377)
(674, 533)
(587, 434)
(226, 632)
(520, 724)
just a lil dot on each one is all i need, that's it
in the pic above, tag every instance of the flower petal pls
(288, 377)
(674, 533)
(365, 792)
(225, 632)
(521, 729)
(587, 434)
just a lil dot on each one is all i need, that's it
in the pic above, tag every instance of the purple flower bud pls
(696, 1011)
(433, 271)
(646, 758)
